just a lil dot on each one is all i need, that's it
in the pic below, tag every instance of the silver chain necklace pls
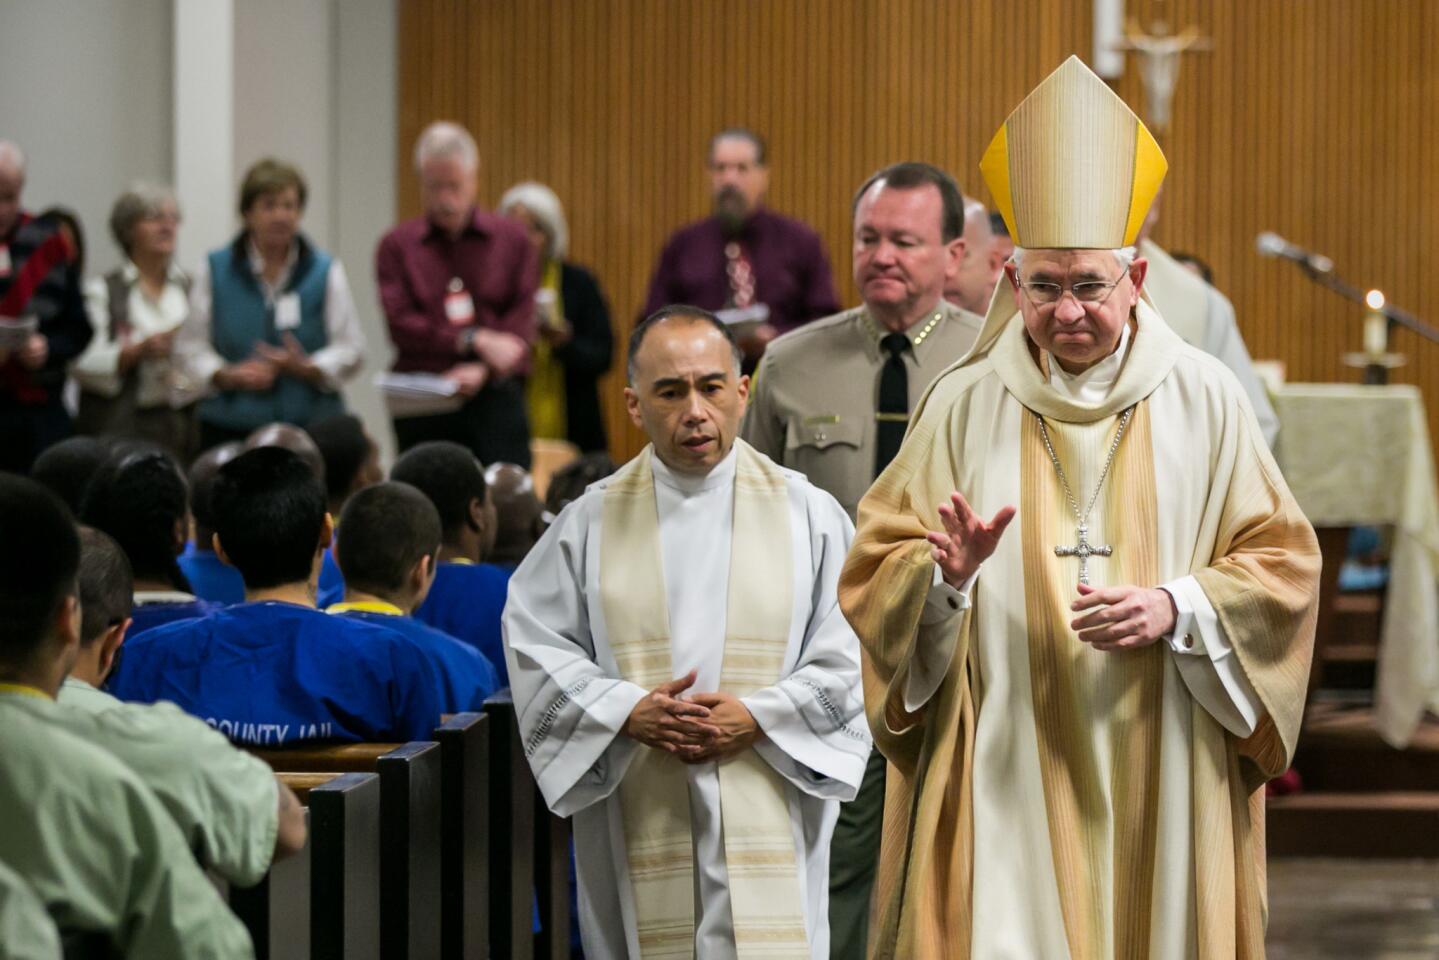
(1083, 549)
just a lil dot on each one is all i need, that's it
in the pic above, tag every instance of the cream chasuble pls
(1072, 802)
(649, 575)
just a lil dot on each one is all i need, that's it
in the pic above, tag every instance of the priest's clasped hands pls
(704, 728)
(1119, 618)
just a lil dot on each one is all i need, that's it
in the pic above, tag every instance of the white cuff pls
(934, 649)
(944, 601)
(1206, 662)
(1186, 637)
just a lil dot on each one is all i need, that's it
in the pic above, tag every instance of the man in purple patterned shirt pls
(761, 271)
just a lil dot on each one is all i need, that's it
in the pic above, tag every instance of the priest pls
(1084, 594)
(1200, 315)
(686, 686)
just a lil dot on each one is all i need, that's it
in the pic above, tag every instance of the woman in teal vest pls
(272, 332)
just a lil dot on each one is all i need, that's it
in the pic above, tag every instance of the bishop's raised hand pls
(966, 540)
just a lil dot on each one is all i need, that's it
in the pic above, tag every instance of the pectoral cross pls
(1084, 550)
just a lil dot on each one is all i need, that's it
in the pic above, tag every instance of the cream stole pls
(765, 897)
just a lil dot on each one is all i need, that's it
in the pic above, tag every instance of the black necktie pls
(893, 413)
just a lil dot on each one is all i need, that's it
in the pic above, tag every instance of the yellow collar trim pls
(366, 606)
(462, 561)
(24, 689)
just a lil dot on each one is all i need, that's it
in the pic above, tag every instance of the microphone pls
(1271, 244)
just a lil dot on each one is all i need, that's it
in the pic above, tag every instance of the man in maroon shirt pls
(743, 257)
(458, 290)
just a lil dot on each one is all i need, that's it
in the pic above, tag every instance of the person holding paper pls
(766, 274)
(42, 321)
(272, 332)
(458, 289)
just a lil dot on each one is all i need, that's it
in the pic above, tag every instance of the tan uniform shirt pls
(816, 393)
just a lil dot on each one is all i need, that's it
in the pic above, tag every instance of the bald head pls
(208, 464)
(12, 158)
(976, 222)
(202, 483)
(979, 270)
(292, 438)
(12, 182)
(517, 509)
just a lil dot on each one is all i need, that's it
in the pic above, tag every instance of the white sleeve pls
(344, 348)
(1223, 340)
(570, 713)
(1207, 662)
(815, 735)
(97, 369)
(930, 663)
(195, 359)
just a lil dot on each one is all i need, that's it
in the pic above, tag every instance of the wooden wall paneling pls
(1317, 120)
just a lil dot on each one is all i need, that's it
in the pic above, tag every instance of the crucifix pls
(1159, 54)
(1084, 550)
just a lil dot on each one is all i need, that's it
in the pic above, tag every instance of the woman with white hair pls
(125, 375)
(575, 341)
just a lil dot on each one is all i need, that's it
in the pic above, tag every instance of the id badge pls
(287, 312)
(5, 260)
(459, 308)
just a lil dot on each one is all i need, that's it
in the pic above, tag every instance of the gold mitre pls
(1073, 167)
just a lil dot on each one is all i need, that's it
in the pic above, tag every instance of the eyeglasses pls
(1044, 293)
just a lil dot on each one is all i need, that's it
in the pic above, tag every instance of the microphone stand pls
(1376, 369)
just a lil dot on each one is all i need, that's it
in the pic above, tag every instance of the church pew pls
(552, 882)
(546, 870)
(302, 783)
(276, 910)
(410, 851)
(408, 831)
(464, 740)
(513, 797)
(345, 868)
(340, 758)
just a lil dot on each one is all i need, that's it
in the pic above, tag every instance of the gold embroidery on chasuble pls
(1097, 714)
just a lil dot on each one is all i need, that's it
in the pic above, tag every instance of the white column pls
(365, 86)
(1108, 30)
(204, 85)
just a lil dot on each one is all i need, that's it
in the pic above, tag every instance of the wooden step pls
(1350, 653)
(1368, 603)
(1389, 824)
(1340, 751)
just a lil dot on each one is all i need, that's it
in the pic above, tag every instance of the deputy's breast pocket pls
(823, 447)
(823, 431)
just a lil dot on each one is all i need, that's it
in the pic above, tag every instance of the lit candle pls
(1376, 325)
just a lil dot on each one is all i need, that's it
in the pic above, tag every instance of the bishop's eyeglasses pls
(1046, 293)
